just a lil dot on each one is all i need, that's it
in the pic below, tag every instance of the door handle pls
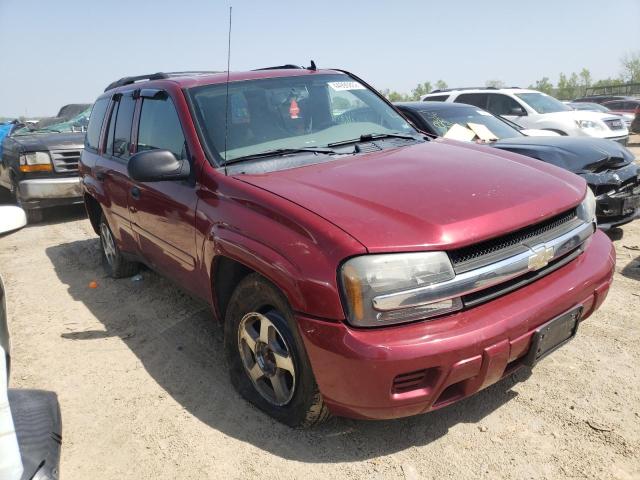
(135, 193)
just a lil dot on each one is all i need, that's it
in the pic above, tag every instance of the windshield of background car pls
(75, 124)
(542, 103)
(442, 120)
(291, 112)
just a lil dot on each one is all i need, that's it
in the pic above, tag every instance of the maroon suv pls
(359, 267)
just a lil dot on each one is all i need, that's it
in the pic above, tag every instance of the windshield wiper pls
(278, 152)
(368, 137)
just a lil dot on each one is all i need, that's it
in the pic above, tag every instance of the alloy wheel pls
(267, 358)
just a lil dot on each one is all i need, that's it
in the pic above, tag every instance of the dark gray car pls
(607, 166)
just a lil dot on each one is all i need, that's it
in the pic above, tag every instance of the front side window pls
(542, 103)
(160, 127)
(500, 104)
(306, 111)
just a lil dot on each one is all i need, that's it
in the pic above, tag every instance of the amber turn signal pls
(36, 168)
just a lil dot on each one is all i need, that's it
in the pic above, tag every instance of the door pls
(111, 170)
(163, 213)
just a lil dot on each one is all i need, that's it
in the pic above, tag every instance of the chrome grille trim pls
(487, 276)
(66, 161)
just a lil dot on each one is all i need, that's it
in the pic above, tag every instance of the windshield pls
(542, 103)
(291, 113)
(75, 124)
(442, 121)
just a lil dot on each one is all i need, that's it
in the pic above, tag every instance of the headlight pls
(366, 277)
(35, 162)
(590, 124)
(587, 209)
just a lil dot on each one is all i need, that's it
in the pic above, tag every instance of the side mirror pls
(11, 218)
(518, 111)
(157, 166)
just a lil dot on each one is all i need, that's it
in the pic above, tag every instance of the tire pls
(114, 262)
(254, 301)
(34, 215)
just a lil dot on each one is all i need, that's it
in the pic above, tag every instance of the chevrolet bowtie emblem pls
(541, 257)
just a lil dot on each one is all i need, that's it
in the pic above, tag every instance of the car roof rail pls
(442, 90)
(155, 76)
(288, 66)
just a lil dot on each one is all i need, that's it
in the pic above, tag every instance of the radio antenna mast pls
(226, 102)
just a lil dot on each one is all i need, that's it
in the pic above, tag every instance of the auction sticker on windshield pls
(340, 86)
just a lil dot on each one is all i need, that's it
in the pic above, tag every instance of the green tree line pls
(568, 86)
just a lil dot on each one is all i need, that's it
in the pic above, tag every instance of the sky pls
(66, 51)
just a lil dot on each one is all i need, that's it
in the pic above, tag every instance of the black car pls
(607, 166)
(39, 164)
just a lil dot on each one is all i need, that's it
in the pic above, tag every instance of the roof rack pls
(154, 76)
(287, 66)
(440, 90)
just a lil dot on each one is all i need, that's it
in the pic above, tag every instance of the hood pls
(438, 194)
(580, 115)
(576, 154)
(49, 141)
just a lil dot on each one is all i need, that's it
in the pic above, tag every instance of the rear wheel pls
(267, 360)
(115, 263)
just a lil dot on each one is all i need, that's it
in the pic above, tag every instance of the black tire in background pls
(255, 295)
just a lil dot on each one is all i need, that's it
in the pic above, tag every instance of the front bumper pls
(623, 140)
(452, 357)
(49, 192)
(619, 208)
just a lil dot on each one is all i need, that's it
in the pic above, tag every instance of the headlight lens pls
(35, 162)
(590, 124)
(366, 277)
(587, 209)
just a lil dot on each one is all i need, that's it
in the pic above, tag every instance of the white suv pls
(535, 110)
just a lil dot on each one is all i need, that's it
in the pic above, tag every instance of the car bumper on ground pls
(36, 415)
(50, 192)
(411, 369)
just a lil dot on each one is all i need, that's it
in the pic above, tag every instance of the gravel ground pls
(140, 374)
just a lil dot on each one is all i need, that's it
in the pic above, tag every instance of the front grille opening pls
(418, 379)
(483, 253)
(476, 298)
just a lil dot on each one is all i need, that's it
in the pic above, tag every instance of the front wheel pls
(267, 360)
(116, 265)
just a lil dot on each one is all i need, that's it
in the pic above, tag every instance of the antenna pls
(226, 101)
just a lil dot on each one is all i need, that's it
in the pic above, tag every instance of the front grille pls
(66, 161)
(496, 249)
(615, 124)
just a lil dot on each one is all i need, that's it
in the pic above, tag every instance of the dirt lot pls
(139, 371)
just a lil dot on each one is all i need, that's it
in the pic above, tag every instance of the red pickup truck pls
(360, 267)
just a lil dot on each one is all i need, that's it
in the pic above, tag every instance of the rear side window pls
(92, 139)
(160, 127)
(120, 136)
(437, 98)
(477, 99)
(614, 105)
